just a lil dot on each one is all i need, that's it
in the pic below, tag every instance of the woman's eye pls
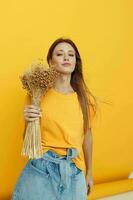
(61, 54)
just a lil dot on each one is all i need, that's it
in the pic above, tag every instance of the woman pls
(64, 171)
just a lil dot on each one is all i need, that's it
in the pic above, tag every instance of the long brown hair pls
(78, 84)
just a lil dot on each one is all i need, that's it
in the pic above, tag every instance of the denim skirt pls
(51, 177)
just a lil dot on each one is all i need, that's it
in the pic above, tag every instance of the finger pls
(32, 111)
(32, 115)
(31, 119)
(33, 106)
(88, 189)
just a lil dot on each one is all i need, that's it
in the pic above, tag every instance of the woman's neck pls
(63, 89)
(62, 84)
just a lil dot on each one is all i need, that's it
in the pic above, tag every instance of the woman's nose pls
(66, 58)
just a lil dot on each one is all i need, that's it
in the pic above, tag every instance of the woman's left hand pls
(89, 183)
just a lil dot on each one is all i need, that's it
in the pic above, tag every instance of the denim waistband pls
(64, 163)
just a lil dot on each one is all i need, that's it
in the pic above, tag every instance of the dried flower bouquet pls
(36, 80)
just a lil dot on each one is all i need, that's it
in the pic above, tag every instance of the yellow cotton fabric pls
(62, 124)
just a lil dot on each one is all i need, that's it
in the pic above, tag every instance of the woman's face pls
(64, 53)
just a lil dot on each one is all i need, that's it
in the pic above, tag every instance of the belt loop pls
(71, 153)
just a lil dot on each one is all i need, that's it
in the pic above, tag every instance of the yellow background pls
(102, 31)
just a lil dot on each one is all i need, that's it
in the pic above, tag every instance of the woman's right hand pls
(32, 112)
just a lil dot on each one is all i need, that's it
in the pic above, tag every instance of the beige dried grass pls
(37, 80)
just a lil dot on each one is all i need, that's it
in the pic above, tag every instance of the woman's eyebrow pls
(62, 50)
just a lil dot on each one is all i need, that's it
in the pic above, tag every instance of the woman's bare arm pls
(87, 148)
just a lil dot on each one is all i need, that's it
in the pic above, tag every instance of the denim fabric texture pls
(51, 177)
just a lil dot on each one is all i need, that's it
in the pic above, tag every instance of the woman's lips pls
(66, 64)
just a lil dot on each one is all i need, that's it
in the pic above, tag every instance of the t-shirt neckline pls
(62, 94)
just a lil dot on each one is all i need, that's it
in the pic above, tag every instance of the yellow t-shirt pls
(62, 124)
